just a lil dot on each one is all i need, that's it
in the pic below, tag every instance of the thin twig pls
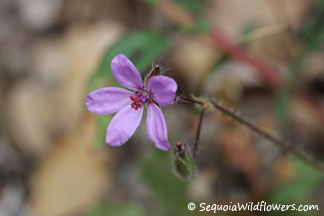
(266, 135)
(190, 100)
(201, 117)
(195, 148)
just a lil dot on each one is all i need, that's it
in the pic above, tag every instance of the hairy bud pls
(184, 164)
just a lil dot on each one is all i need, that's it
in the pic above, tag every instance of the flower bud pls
(184, 164)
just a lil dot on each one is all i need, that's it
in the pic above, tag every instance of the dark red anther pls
(136, 104)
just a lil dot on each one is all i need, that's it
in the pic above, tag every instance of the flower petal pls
(108, 100)
(163, 89)
(123, 125)
(126, 73)
(156, 127)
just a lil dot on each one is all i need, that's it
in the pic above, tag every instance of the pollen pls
(136, 104)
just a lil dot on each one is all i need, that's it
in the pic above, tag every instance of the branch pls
(201, 117)
(269, 137)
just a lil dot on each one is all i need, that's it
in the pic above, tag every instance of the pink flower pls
(129, 104)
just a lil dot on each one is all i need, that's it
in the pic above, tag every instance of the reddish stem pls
(195, 148)
(310, 161)
(201, 117)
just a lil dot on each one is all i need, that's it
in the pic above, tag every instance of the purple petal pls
(123, 125)
(126, 73)
(163, 89)
(156, 127)
(108, 100)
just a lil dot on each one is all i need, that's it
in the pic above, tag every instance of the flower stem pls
(195, 148)
(190, 100)
(201, 117)
(266, 135)
(310, 161)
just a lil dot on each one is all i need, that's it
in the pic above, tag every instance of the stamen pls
(136, 104)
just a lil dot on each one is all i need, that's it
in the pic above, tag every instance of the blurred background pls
(262, 57)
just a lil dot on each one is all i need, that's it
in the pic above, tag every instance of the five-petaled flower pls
(129, 104)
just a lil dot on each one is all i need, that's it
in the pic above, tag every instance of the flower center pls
(138, 100)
